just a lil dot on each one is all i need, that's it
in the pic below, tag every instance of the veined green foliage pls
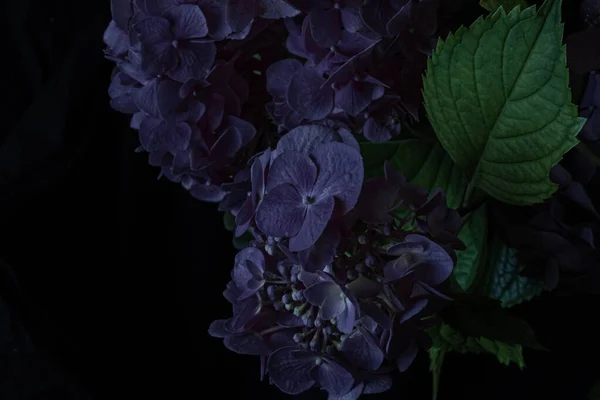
(497, 95)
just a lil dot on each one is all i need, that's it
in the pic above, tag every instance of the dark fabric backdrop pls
(110, 278)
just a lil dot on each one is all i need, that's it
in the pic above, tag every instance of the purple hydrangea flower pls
(301, 192)
(248, 271)
(294, 371)
(174, 44)
(258, 173)
(333, 300)
(420, 256)
(343, 313)
(328, 18)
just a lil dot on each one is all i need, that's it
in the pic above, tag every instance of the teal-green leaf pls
(474, 236)
(493, 5)
(505, 283)
(497, 95)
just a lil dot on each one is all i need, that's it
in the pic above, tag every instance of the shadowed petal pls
(279, 76)
(362, 350)
(291, 374)
(307, 98)
(325, 26)
(347, 318)
(318, 292)
(406, 358)
(188, 21)
(332, 307)
(334, 378)
(378, 384)
(195, 60)
(248, 344)
(353, 394)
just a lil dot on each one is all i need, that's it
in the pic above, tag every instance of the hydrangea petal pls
(305, 138)
(316, 219)
(195, 60)
(116, 40)
(240, 13)
(289, 373)
(121, 11)
(362, 350)
(122, 95)
(215, 12)
(219, 329)
(279, 76)
(294, 168)
(276, 9)
(340, 173)
(332, 307)
(416, 308)
(319, 291)
(325, 26)
(347, 318)
(187, 21)
(353, 394)
(334, 378)
(406, 358)
(160, 135)
(281, 212)
(251, 344)
(227, 145)
(378, 384)
(146, 98)
(354, 97)
(306, 96)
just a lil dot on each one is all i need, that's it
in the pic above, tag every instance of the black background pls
(110, 278)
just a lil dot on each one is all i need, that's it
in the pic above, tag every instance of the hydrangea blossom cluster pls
(336, 290)
(346, 46)
(266, 107)
(186, 102)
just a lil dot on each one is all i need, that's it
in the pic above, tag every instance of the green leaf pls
(240, 243)
(450, 339)
(493, 5)
(229, 221)
(422, 163)
(405, 156)
(447, 339)
(594, 393)
(497, 95)
(473, 235)
(505, 283)
(482, 317)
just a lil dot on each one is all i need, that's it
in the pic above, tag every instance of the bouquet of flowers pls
(397, 174)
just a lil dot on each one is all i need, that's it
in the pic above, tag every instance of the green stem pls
(436, 375)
